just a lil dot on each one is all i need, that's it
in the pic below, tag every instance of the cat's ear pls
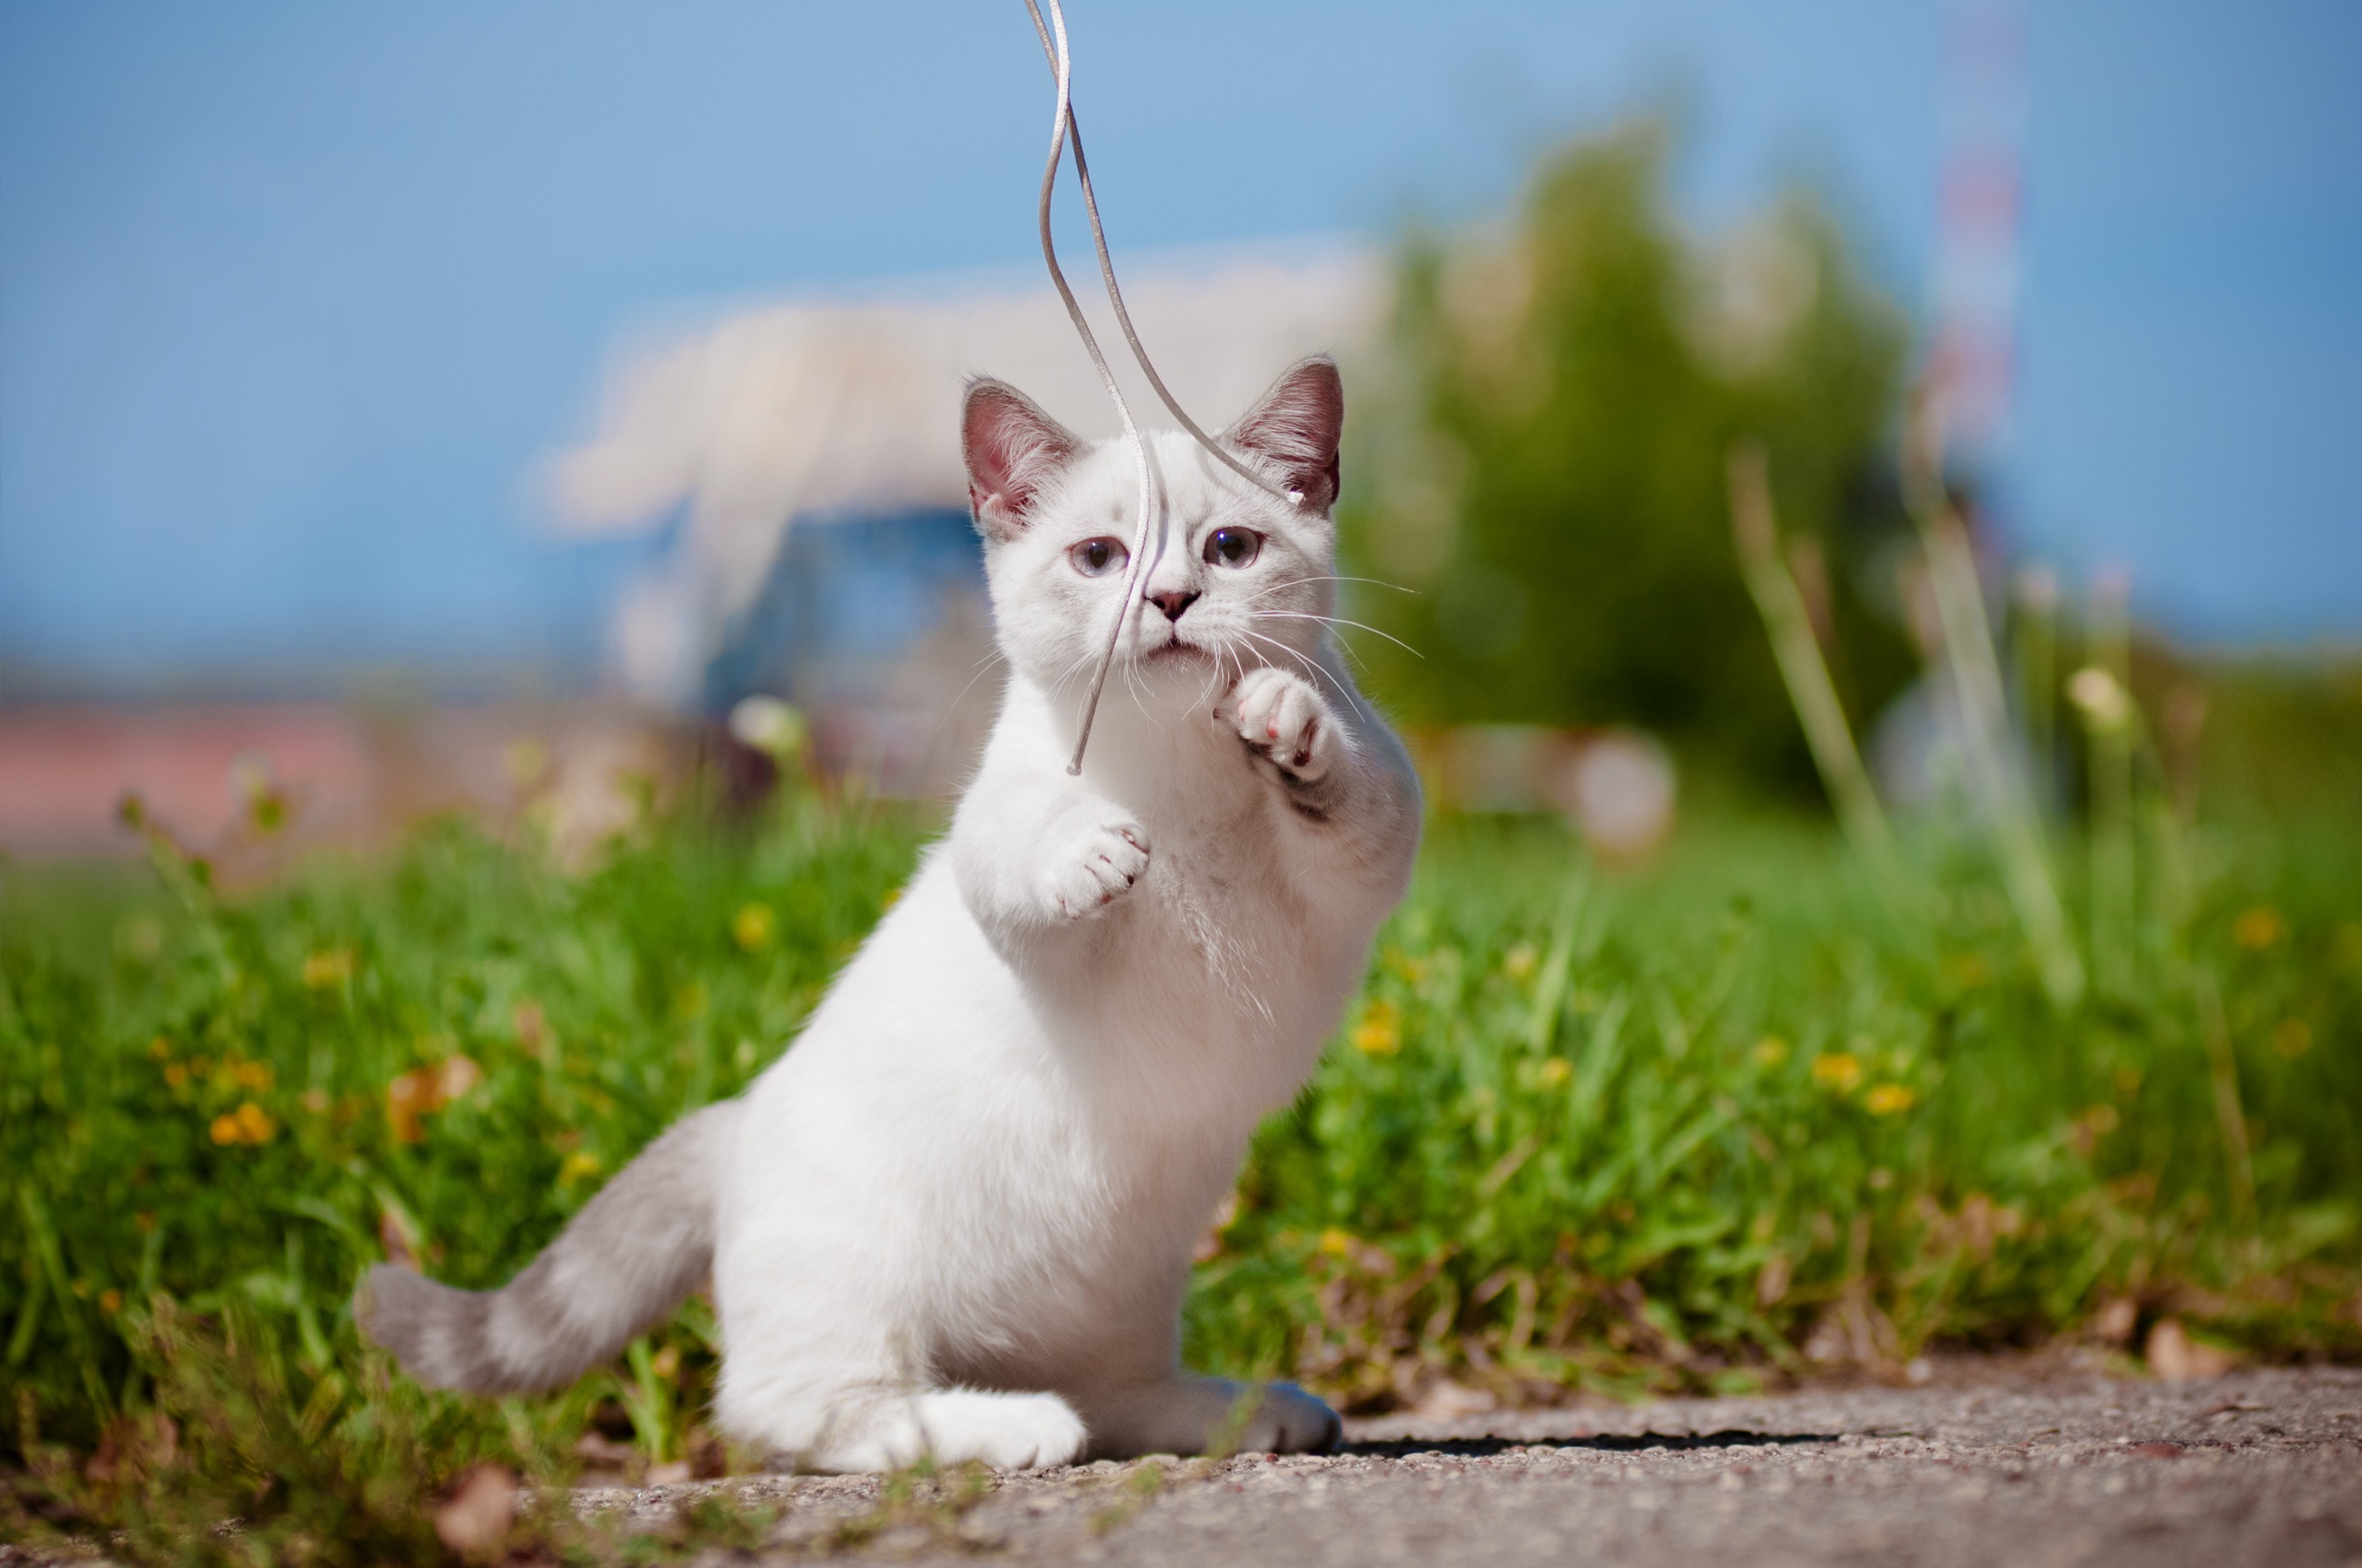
(1294, 428)
(1011, 447)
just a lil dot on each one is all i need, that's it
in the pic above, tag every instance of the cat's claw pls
(1095, 867)
(1283, 716)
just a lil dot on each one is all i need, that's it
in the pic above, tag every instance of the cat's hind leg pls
(1185, 1415)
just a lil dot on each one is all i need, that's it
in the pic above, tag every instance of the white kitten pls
(955, 1218)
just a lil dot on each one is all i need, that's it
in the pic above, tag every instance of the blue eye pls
(1233, 546)
(1096, 557)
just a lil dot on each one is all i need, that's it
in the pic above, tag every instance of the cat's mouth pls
(1176, 648)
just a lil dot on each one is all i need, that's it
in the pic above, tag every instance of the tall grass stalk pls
(1755, 528)
(2109, 728)
(1975, 671)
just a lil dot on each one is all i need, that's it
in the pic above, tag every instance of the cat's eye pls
(1233, 546)
(1096, 557)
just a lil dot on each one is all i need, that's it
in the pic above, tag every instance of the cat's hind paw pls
(1283, 716)
(1289, 1420)
(1093, 868)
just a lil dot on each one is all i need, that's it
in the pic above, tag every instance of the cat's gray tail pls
(633, 1254)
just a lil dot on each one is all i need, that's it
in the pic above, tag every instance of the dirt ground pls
(1984, 1464)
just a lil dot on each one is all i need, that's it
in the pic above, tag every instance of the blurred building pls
(802, 460)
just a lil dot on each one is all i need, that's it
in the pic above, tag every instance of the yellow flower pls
(1339, 1244)
(330, 967)
(1519, 962)
(1840, 1071)
(579, 1163)
(1380, 1031)
(1891, 1099)
(2258, 928)
(1770, 1050)
(175, 1074)
(665, 1362)
(753, 926)
(254, 1123)
(2291, 1037)
(225, 1130)
(1554, 1072)
(159, 1048)
(110, 1302)
(255, 1075)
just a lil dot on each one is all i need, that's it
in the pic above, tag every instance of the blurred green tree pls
(1548, 471)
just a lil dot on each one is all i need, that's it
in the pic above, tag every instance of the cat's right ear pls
(1012, 449)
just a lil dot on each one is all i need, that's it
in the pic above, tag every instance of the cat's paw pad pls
(1093, 868)
(1289, 1420)
(1281, 716)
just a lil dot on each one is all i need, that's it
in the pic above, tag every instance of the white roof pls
(804, 407)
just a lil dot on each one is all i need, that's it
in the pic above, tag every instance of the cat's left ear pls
(1012, 449)
(1294, 428)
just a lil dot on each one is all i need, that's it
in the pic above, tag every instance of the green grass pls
(1668, 1128)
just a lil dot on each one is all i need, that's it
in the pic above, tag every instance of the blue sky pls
(291, 296)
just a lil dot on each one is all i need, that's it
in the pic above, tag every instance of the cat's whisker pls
(1131, 684)
(1298, 581)
(1312, 667)
(1212, 691)
(1336, 621)
(983, 667)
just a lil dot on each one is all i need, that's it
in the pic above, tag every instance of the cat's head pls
(1233, 577)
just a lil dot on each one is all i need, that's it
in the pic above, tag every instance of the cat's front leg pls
(1089, 865)
(1037, 851)
(1354, 797)
(1283, 717)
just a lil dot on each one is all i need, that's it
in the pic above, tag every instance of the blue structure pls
(874, 624)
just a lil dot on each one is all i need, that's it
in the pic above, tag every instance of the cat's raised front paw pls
(1284, 717)
(1093, 868)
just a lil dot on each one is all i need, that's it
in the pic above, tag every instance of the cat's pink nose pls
(1173, 603)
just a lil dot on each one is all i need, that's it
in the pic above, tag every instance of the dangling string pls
(1115, 295)
(1063, 129)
